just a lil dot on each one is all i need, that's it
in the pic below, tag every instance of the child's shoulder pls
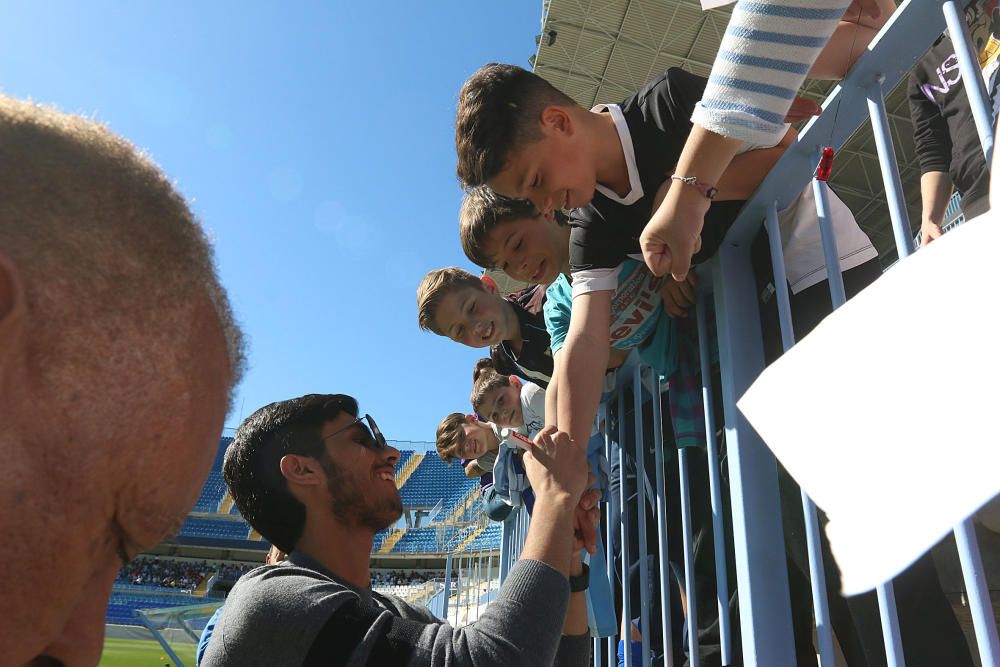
(529, 300)
(674, 78)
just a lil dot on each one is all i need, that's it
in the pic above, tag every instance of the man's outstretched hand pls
(556, 466)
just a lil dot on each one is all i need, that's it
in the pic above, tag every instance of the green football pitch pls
(142, 653)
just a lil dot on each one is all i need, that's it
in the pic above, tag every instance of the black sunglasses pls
(374, 441)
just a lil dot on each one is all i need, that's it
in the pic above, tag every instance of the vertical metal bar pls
(761, 574)
(972, 77)
(904, 246)
(447, 588)
(890, 626)
(817, 570)
(715, 486)
(640, 503)
(459, 587)
(890, 170)
(837, 294)
(469, 586)
(623, 515)
(608, 452)
(689, 583)
(979, 593)
(506, 528)
(661, 524)
(596, 649)
(780, 278)
(479, 584)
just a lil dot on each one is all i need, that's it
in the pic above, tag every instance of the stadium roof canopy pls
(604, 50)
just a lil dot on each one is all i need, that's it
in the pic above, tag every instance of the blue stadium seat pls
(488, 539)
(221, 528)
(215, 486)
(404, 456)
(122, 606)
(434, 481)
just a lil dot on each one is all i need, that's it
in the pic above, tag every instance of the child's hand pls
(585, 521)
(859, 8)
(673, 234)
(801, 109)
(678, 296)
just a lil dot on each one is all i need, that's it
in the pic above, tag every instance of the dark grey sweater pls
(299, 613)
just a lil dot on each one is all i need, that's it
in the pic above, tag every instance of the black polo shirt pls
(534, 362)
(657, 122)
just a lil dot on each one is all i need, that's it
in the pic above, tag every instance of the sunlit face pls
(503, 406)
(532, 250)
(360, 479)
(474, 317)
(555, 172)
(96, 491)
(477, 440)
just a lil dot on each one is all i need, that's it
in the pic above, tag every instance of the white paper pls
(712, 4)
(886, 413)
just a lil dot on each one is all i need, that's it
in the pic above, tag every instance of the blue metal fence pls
(727, 288)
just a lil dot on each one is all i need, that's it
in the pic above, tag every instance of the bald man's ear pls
(302, 470)
(11, 300)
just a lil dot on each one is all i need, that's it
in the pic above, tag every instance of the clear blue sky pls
(316, 143)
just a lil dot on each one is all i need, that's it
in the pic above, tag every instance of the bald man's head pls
(118, 357)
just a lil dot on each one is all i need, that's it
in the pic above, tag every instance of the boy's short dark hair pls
(485, 379)
(482, 210)
(499, 108)
(251, 466)
(434, 287)
(450, 437)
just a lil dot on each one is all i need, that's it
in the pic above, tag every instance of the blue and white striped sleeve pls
(767, 51)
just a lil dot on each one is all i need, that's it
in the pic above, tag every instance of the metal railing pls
(727, 289)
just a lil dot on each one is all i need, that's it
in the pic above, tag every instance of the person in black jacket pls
(947, 143)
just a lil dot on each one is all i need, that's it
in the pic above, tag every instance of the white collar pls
(635, 185)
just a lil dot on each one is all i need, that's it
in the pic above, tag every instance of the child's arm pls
(552, 393)
(849, 40)
(581, 363)
(746, 171)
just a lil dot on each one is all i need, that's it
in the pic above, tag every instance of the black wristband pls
(580, 582)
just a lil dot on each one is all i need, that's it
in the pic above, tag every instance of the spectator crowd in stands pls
(403, 578)
(182, 575)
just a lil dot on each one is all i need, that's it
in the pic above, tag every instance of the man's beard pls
(348, 504)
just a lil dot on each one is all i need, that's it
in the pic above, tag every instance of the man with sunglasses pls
(318, 482)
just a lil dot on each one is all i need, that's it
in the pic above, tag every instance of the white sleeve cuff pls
(595, 280)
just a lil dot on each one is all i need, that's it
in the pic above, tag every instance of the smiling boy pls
(454, 303)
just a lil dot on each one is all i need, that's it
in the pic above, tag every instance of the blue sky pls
(316, 142)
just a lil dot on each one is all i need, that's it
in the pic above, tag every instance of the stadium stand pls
(489, 539)
(435, 481)
(213, 528)
(215, 487)
(121, 608)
